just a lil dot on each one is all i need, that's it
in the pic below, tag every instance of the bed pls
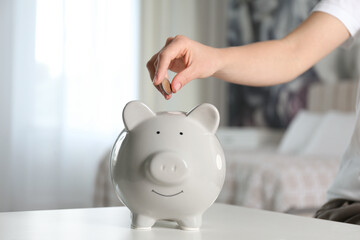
(283, 182)
(291, 171)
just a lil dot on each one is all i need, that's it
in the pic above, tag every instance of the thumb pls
(181, 79)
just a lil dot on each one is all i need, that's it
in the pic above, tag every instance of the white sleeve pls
(347, 11)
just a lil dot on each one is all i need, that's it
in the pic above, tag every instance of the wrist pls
(220, 62)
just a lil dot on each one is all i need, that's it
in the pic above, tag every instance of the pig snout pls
(167, 168)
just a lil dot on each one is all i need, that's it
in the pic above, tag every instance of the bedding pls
(277, 182)
(299, 132)
(298, 171)
(332, 136)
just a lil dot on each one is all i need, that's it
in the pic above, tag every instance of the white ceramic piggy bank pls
(168, 165)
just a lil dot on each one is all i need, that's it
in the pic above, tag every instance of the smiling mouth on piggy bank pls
(165, 195)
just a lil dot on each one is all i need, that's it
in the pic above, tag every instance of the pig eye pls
(158, 132)
(181, 133)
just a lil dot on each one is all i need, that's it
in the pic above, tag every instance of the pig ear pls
(134, 113)
(207, 115)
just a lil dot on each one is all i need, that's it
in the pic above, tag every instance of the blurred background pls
(67, 68)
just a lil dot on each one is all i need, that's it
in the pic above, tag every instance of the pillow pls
(299, 132)
(248, 138)
(332, 136)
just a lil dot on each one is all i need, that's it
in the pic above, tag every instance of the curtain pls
(69, 69)
(201, 20)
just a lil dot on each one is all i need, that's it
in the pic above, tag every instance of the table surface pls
(219, 222)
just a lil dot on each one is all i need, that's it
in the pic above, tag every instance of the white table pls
(220, 222)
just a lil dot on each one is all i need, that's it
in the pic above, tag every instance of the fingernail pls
(177, 87)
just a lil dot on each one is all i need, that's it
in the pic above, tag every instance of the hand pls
(188, 58)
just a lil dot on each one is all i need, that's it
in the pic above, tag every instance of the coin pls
(166, 86)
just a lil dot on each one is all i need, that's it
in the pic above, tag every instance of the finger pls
(152, 63)
(168, 41)
(168, 96)
(150, 66)
(159, 87)
(181, 79)
(155, 65)
(169, 53)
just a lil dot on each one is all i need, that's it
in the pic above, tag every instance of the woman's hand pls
(188, 58)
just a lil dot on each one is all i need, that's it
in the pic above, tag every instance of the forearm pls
(258, 64)
(278, 61)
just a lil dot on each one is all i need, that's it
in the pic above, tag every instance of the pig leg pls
(192, 223)
(142, 222)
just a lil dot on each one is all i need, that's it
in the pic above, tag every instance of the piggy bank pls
(168, 165)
